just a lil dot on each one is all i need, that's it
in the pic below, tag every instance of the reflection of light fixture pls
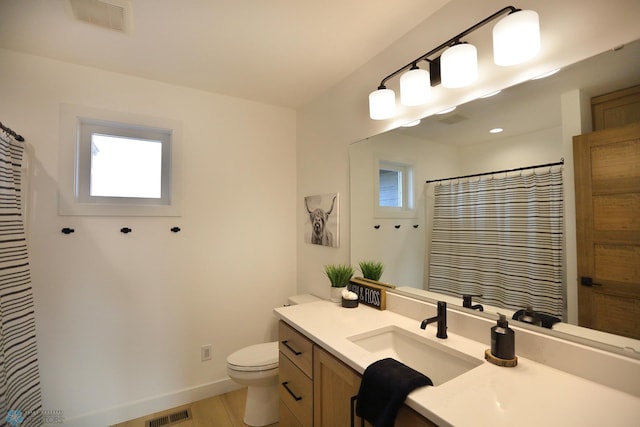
(547, 74)
(411, 124)
(448, 110)
(459, 65)
(490, 94)
(415, 87)
(496, 130)
(518, 31)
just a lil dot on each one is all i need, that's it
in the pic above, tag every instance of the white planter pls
(336, 294)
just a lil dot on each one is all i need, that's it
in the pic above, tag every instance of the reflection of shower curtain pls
(502, 238)
(20, 402)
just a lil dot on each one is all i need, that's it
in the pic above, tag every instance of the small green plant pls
(371, 269)
(339, 274)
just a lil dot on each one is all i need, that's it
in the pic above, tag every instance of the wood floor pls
(225, 410)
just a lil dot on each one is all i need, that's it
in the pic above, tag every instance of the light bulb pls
(459, 65)
(516, 38)
(382, 104)
(415, 87)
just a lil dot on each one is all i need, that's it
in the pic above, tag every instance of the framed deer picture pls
(322, 224)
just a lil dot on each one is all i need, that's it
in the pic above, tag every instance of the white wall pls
(572, 30)
(121, 318)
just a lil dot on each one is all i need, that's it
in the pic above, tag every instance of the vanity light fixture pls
(516, 39)
(496, 130)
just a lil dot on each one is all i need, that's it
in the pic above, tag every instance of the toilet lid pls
(259, 357)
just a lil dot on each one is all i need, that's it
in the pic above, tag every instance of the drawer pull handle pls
(286, 344)
(285, 385)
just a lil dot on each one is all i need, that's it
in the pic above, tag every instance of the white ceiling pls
(280, 52)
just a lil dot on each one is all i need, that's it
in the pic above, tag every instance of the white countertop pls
(530, 394)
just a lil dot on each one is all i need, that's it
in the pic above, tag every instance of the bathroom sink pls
(438, 362)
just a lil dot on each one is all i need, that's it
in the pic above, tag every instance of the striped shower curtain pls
(20, 402)
(501, 238)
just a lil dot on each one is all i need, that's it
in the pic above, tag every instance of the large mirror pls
(459, 143)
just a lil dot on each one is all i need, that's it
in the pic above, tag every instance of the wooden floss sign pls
(369, 293)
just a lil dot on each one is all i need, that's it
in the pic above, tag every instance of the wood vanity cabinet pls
(327, 403)
(295, 377)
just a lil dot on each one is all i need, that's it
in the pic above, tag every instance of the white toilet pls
(256, 367)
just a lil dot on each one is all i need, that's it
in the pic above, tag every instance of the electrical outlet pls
(205, 352)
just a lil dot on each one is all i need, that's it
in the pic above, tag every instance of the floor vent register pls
(169, 419)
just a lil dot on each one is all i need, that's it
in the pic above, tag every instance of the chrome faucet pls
(466, 302)
(441, 318)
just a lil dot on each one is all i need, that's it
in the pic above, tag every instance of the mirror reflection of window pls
(390, 194)
(394, 185)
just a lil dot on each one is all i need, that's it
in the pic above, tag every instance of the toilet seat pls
(259, 357)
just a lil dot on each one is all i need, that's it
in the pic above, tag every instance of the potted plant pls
(339, 275)
(371, 270)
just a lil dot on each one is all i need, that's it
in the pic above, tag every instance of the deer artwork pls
(320, 235)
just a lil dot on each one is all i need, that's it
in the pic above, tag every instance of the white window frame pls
(77, 123)
(407, 210)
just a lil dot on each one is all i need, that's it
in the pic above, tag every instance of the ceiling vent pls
(110, 14)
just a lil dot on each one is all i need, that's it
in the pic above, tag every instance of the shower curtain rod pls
(561, 162)
(11, 132)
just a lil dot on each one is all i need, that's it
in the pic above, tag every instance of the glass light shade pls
(382, 104)
(415, 87)
(516, 38)
(459, 66)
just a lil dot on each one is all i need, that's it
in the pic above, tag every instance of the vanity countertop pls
(530, 394)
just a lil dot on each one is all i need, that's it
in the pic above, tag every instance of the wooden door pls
(607, 175)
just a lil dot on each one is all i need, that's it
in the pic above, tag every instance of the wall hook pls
(67, 230)
(175, 229)
(125, 230)
(397, 226)
(416, 226)
(376, 226)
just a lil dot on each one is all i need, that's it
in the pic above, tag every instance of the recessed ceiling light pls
(448, 110)
(547, 74)
(411, 124)
(496, 130)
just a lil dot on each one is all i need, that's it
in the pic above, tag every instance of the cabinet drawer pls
(296, 347)
(296, 391)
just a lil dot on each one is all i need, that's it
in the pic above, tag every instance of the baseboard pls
(144, 407)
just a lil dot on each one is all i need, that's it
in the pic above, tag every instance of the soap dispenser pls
(503, 345)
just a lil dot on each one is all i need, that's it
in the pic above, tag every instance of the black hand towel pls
(384, 387)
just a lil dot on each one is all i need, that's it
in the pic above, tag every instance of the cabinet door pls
(333, 386)
(287, 419)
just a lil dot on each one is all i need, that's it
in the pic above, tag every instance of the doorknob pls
(588, 281)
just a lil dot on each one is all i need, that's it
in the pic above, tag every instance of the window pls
(394, 189)
(111, 167)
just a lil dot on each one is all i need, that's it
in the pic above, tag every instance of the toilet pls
(256, 367)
